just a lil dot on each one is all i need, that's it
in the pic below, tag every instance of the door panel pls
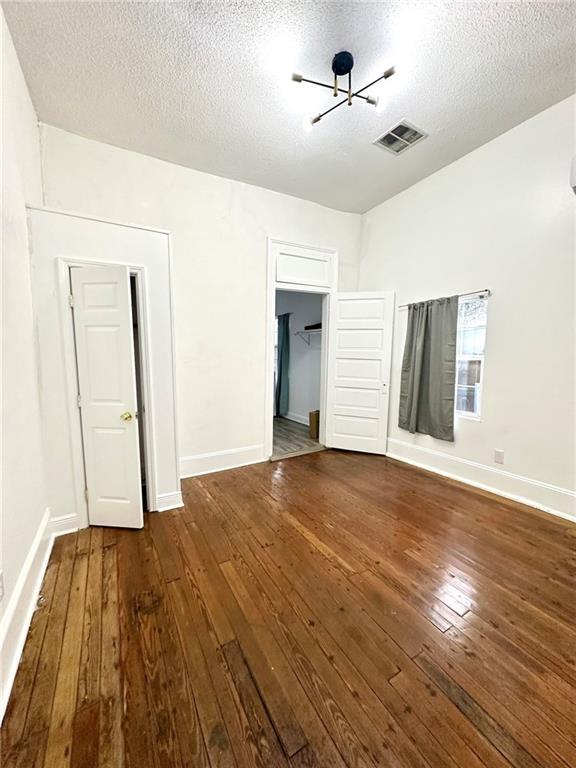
(359, 357)
(356, 397)
(357, 428)
(359, 340)
(107, 386)
(367, 309)
(358, 373)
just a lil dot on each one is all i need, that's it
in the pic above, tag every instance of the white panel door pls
(107, 385)
(358, 378)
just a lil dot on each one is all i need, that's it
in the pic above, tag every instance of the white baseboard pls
(204, 463)
(297, 417)
(58, 526)
(544, 496)
(18, 613)
(165, 501)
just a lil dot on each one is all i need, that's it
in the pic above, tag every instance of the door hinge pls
(71, 300)
(79, 401)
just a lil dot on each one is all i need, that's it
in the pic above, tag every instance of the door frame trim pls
(271, 287)
(64, 265)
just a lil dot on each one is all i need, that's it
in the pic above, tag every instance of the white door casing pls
(306, 269)
(358, 377)
(107, 386)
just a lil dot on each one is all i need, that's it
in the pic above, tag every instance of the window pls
(470, 342)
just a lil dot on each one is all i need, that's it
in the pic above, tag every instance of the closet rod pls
(481, 292)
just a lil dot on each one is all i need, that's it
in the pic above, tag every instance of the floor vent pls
(401, 137)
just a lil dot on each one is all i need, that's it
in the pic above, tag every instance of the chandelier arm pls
(345, 101)
(359, 91)
(385, 76)
(325, 85)
(323, 114)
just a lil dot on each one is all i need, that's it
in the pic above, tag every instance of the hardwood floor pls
(292, 439)
(331, 610)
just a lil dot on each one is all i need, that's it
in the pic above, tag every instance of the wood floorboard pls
(335, 610)
(111, 734)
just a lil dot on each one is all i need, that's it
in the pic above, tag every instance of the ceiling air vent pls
(400, 138)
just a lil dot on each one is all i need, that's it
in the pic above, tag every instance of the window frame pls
(481, 358)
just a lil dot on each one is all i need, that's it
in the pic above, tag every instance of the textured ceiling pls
(207, 84)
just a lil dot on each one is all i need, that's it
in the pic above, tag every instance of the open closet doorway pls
(298, 361)
(137, 334)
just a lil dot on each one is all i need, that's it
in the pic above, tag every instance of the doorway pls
(137, 335)
(298, 363)
(141, 251)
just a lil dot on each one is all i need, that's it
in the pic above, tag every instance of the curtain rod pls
(481, 292)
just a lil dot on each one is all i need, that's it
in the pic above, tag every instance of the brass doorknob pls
(126, 416)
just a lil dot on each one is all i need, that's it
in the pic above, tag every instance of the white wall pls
(305, 360)
(53, 235)
(219, 230)
(502, 217)
(23, 514)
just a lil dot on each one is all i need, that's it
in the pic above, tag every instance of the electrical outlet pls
(498, 456)
(1, 586)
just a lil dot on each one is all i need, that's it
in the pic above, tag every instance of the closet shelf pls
(305, 335)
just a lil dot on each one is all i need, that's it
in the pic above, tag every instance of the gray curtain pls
(429, 369)
(283, 364)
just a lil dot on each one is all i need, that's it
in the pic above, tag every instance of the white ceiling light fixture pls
(342, 64)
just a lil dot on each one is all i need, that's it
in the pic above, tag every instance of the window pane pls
(472, 341)
(467, 399)
(471, 313)
(469, 372)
